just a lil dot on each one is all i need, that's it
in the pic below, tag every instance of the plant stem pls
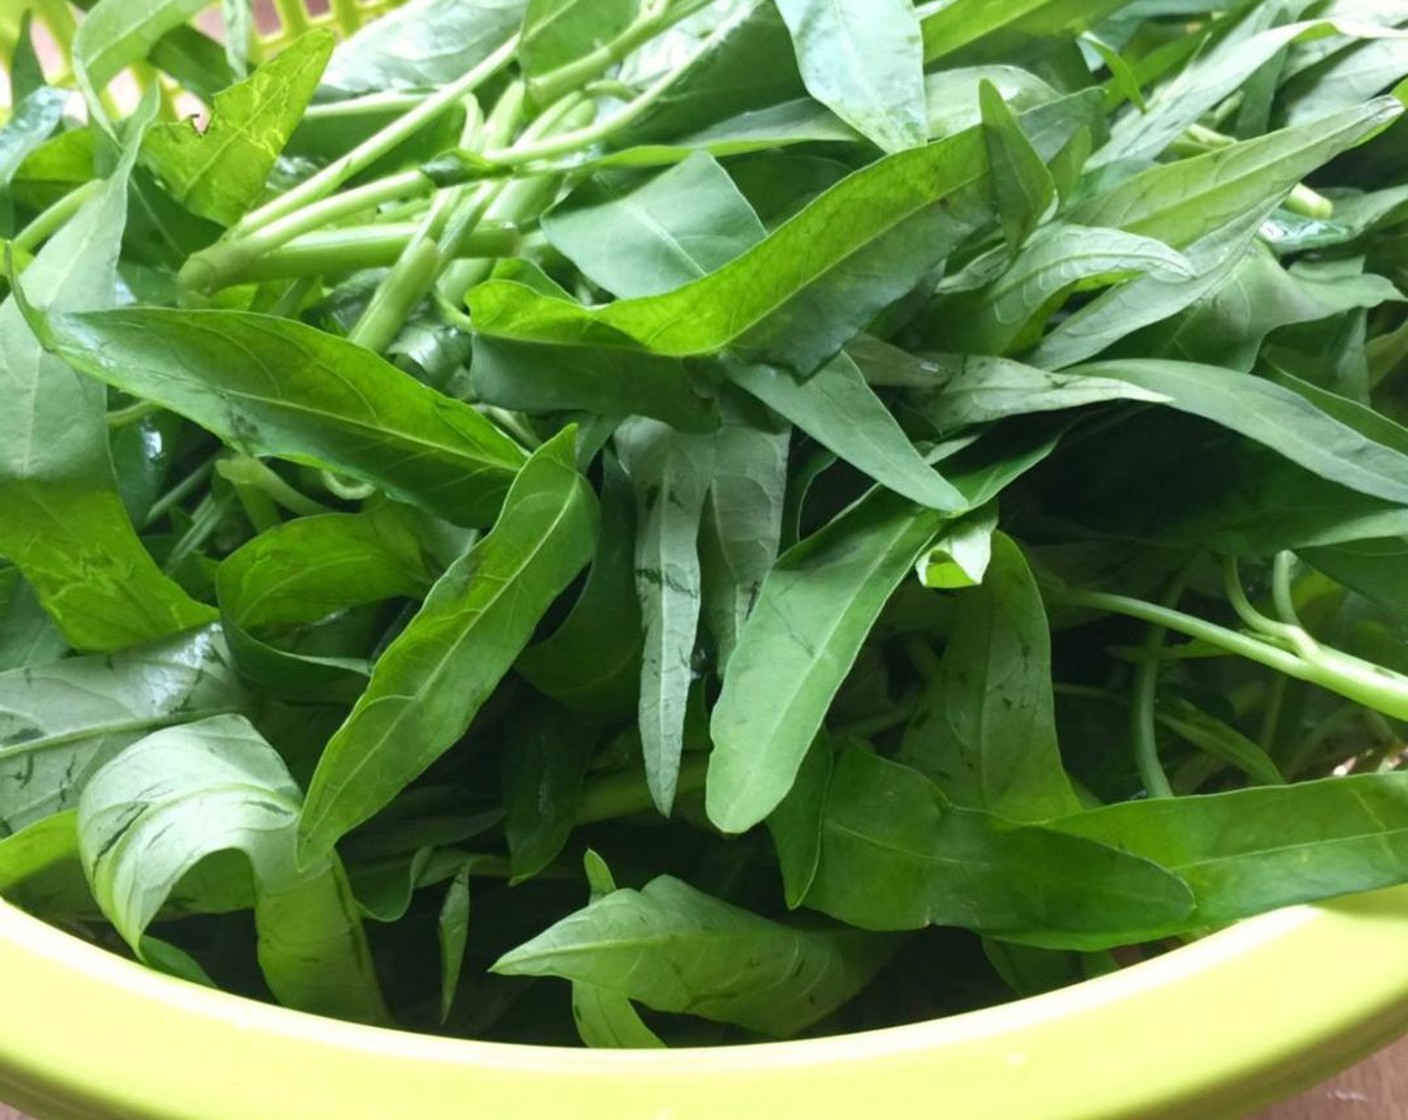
(249, 473)
(206, 519)
(132, 414)
(569, 142)
(180, 492)
(374, 147)
(388, 102)
(1144, 711)
(353, 248)
(52, 220)
(627, 795)
(655, 17)
(210, 268)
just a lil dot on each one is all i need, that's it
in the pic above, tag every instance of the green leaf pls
(1273, 416)
(987, 29)
(1249, 851)
(549, 752)
(955, 96)
(678, 227)
(59, 723)
(437, 673)
(676, 949)
(742, 527)
(604, 1019)
(838, 409)
(813, 614)
(65, 526)
(962, 556)
(39, 847)
(1151, 297)
(864, 61)
(557, 32)
(797, 296)
(543, 378)
(670, 473)
(1178, 203)
(220, 171)
(972, 390)
(1206, 81)
(1021, 183)
(33, 119)
(25, 69)
(271, 386)
(796, 823)
(28, 636)
(592, 662)
(1229, 327)
(153, 814)
(896, 855)
(116, 33)
(422, 44)
(748, 64)
(985, 730)
(1010, 311)
(453, 929)
(1218, 739)
(307, 570)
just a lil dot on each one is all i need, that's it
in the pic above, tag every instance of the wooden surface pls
(1376, 1090)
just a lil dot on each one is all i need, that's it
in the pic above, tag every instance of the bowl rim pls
(1212, 1029)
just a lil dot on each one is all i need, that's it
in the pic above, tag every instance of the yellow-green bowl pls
(1209, 1032)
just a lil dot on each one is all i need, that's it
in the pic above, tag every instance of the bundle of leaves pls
(788, 516)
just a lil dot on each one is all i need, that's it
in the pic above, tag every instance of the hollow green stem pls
(1144, 710)
(331, 177)
(249, 473)
(656, 16)
(180, 492)
(352, 248)
(132, 414)
(569, 142)
(213, 268)
(50, 221)
(1355, 679)
(371, 103)
(204, 522)
(627, 795)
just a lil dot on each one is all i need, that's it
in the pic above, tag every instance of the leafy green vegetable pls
(220, 171)
(65, 526)
(676, 949)
(865, 62)
(670, 474)
(274, 387)
(680, 226)
(478, 616)
(896, 855)
(986, 726)
(968, 439)
(183, 795)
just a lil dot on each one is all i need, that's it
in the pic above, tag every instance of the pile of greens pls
(787, 515)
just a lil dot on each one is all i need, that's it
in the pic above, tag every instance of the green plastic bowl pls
(1211, 1031)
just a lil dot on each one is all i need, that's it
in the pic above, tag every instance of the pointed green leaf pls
(220, 171)
(271, 386)
(985, 730)
(670, 473)
(863, 59)
(150, 816)
(437, 673)
(676, 949)
(1021, 182)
